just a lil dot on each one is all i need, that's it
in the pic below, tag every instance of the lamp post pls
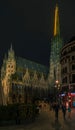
(58, 91)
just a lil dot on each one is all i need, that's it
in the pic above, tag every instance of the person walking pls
(69, 112)
(56, 109)
(63, 107)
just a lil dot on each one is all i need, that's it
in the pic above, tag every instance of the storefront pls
(69, 99)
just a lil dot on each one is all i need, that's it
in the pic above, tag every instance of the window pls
(73, 48)
(8, 66)
(64, 80)
(73, 67)
(73, 78)
(73, 58)
(9, 71)
(11, 66)
(64, 70)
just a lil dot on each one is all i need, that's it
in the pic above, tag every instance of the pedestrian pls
(56, 109)
(69, 112)
(63, 107)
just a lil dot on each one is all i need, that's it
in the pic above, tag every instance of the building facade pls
(17, 74)
(68, 66)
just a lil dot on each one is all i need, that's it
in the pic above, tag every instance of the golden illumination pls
(56, 22)
(57, 81)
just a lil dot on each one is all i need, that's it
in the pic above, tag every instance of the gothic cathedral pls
(19, 75)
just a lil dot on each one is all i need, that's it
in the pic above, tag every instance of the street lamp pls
(56, 88)
(57, 83)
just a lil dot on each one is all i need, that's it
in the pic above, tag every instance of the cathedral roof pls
(24, 63)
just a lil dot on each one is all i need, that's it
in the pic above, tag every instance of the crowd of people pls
(56, 107)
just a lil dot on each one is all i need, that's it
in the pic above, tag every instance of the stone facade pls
(68, 66)
(18, 73)
(56, 45)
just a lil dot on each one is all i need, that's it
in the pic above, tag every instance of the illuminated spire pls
(56, 22)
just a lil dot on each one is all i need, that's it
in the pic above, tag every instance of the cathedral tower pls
(56, 44)
(8, 68)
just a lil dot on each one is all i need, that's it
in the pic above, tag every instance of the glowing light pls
(57, 81)
(56, 22)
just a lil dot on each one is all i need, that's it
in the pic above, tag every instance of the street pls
(46, 121)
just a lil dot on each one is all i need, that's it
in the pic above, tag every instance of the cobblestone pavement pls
(46, 121)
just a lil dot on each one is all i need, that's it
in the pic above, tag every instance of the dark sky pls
(28, 25)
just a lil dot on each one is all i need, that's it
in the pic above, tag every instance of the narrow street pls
(46, 121)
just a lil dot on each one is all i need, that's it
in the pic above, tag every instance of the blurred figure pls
(63, 107)
(56, 109)
(69, 112)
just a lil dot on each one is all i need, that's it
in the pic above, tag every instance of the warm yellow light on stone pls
(56, 22)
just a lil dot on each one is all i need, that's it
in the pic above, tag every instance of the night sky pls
(28, 25)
